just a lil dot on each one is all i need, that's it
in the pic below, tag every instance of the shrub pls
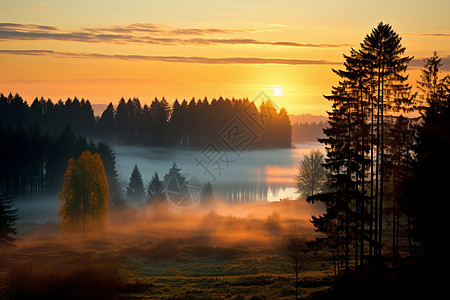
(85, 281)
(272, 223)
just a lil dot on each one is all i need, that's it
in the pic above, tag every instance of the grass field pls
(165, 255)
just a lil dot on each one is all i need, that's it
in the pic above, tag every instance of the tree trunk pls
(380, 214)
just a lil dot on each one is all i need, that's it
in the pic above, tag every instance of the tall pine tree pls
(369, 98)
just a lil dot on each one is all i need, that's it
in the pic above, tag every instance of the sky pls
(104, 50)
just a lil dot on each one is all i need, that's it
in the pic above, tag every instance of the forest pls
(184, 124)
(307, 132)
(384, 144)
(43, 136)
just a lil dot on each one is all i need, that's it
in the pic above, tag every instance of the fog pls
(254, 176)
(265, 175)
(144, 230)
(231, 236)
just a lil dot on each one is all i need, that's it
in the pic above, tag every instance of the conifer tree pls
(383, 54)
(207, 199)
(155, 190)
(431, 149)
(8, 219)
(105, 125)
(135, 189)
(175, 174)
(366, 103)
(109, 161)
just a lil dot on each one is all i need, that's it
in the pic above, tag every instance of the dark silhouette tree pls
(383, 53)
(367, 105)
(307, 132)
(398, 169)
(431, 149)
(155, 190)
(121, 120)
(340, 165)
(109, 162)
(431, 87)
(176, 186)
(84, 198)
(175, 174)
(207, 199)
(34, 161)
(135, 188)
(159, 114)
(106, 123)
(354, 101)
(295, 249)
(184, 124)
(8, 218)
(134, 121)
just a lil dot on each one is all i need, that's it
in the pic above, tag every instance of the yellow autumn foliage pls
(84, 198)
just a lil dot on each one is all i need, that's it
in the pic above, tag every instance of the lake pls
(250, 176)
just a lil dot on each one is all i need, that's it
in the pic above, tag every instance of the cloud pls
(142, 33)
(164, 30)
(18, 26)
(419, 62)
(241, 41)
(428, 34)
(177, 59)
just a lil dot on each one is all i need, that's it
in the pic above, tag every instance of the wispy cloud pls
(160, 29)
(143, 33)
(24, 27)
(419, 62)
(178, 59)
(428, 34)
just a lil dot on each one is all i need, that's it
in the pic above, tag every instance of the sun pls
(277, 91)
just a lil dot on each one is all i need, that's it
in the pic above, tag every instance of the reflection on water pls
(254, 176)
(280, 176)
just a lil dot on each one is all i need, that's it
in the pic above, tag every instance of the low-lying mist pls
(224, 224)
(240, 234)
(143, 243)
(264, 170)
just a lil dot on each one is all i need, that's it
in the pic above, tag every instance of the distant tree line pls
(383, 187)
(48, 116)
(184, 124)
(40, 138)
(307, 132)
(32, 162)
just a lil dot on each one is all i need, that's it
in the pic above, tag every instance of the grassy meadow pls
(229, 252)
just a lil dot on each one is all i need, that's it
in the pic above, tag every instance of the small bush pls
(89, 281)
(272, 223)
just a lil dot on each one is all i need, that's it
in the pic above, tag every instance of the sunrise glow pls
(277, 91)
(237, 150)
(56, 49)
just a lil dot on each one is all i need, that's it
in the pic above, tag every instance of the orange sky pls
(105, 50)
